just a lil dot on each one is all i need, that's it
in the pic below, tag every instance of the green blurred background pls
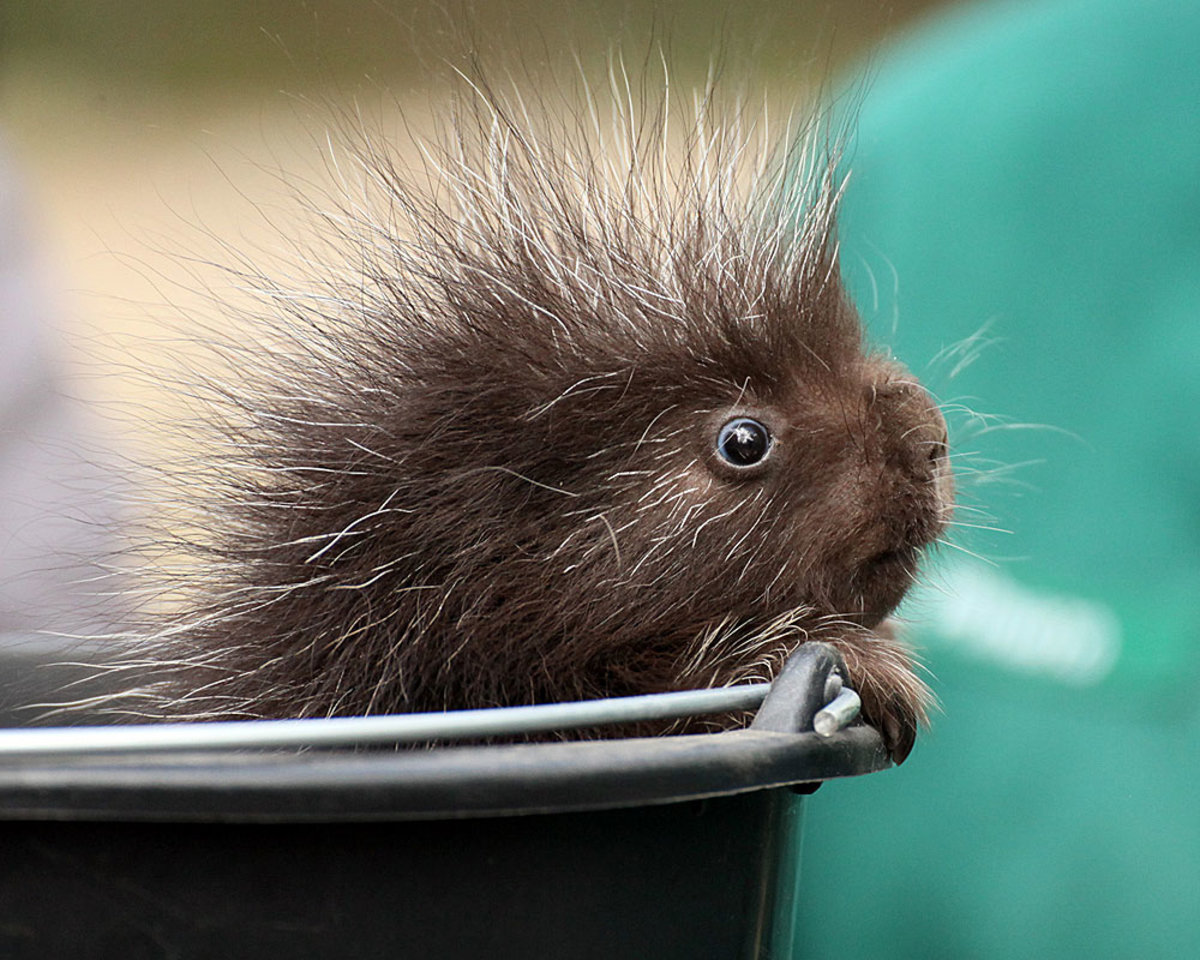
(1023, 225)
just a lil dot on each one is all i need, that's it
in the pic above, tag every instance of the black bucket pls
(670, 847)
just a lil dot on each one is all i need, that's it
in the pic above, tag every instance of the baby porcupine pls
(587, 414)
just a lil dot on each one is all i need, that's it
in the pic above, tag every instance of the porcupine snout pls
(906, 487)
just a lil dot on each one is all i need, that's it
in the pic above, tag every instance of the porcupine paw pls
(895, 701)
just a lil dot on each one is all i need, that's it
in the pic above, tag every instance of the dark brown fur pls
(485, 473)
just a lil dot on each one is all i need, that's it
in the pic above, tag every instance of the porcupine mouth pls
(883, 579)
(904, 557)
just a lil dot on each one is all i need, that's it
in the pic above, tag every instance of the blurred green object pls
(1027, 178)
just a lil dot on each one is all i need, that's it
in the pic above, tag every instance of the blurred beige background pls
(143, 131)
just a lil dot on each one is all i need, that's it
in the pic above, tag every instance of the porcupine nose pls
(931, 468)
(938, 450)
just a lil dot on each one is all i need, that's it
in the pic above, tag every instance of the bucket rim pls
(260, 782)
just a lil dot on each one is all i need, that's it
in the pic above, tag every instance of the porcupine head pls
(585, 412)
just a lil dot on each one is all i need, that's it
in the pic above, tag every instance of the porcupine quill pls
(585, 411)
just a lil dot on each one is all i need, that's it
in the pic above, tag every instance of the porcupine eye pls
(743, 442)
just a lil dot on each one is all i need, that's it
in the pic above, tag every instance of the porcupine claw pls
(897, 721)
